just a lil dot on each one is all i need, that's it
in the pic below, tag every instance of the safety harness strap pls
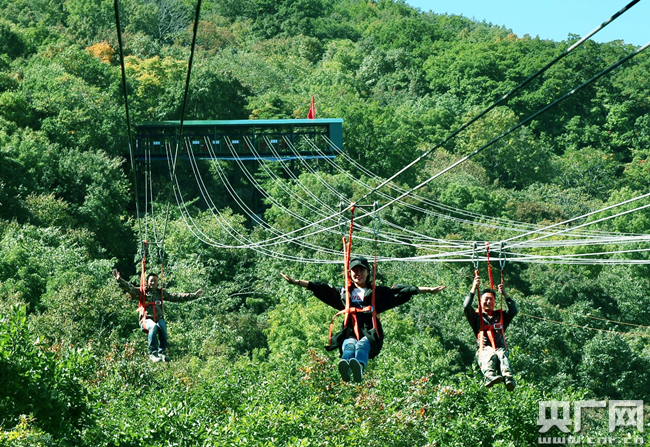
(352, 311)
(349, 311)
(347, 249)
(143, 304)
(489, 329)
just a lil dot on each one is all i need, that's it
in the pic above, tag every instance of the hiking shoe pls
(357, 370)
(510, 383)
(492, 380)
(344, 370)
(164, 357)
(154, 357)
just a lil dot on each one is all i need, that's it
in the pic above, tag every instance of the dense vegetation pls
(248, 366)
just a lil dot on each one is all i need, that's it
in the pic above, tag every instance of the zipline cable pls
(522, 122)
(506, 96)
(629, 334)
(390, 238)
(185, 95)
(622, 213)
(593, 234)
(429, 257)
(585, 316)
(572, 220)
(128, 117)
(491, 221)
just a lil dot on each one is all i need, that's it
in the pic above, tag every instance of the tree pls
(35, 381)
(610, 368)
(11, 43)
(90, 21)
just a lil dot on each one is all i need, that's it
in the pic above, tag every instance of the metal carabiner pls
(502, 255)
(474, 257)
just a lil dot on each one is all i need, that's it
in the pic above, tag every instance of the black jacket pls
(386, 298)
(472, 317)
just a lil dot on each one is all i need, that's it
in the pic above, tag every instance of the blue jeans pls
(157, 331)
(353, 349)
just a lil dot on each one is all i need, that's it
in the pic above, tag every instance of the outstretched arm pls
(134, 292)
(295, 282)
(181, 297)
(324, 292)
(431, 290)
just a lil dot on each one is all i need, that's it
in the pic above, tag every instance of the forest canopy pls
(248, 366)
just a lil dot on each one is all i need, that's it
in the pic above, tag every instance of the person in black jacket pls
(361, 336)
(492, 353)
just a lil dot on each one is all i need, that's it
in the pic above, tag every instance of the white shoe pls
(154, 357)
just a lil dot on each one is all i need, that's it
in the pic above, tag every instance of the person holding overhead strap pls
(151, 310)
(361, 336)
(489, 326)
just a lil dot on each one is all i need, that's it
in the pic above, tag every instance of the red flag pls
(312, 110)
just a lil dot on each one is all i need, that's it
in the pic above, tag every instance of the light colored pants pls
(494, 363)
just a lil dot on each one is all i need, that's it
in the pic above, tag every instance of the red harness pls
(350, 311)
(490, 329)
(142, 302)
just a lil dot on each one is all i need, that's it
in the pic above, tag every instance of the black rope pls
(128, 118)
(503, 98)
(180, 130)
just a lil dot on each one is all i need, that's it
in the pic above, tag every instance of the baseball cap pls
(360, 260)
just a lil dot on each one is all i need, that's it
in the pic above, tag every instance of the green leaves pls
(247, 365)
(33, 381)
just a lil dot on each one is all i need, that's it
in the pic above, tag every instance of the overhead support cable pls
(185, 96)
(625, 202)
(504, 97)
(128, 117)
(497, 223)
(579, 326)
(385, 236)
(592, 317)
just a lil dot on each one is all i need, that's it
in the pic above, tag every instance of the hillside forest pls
(247, 360)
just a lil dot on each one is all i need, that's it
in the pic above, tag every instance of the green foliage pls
(89, 21)
(11, 43)
(610, 368)
(247, 366)
(42, 382)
